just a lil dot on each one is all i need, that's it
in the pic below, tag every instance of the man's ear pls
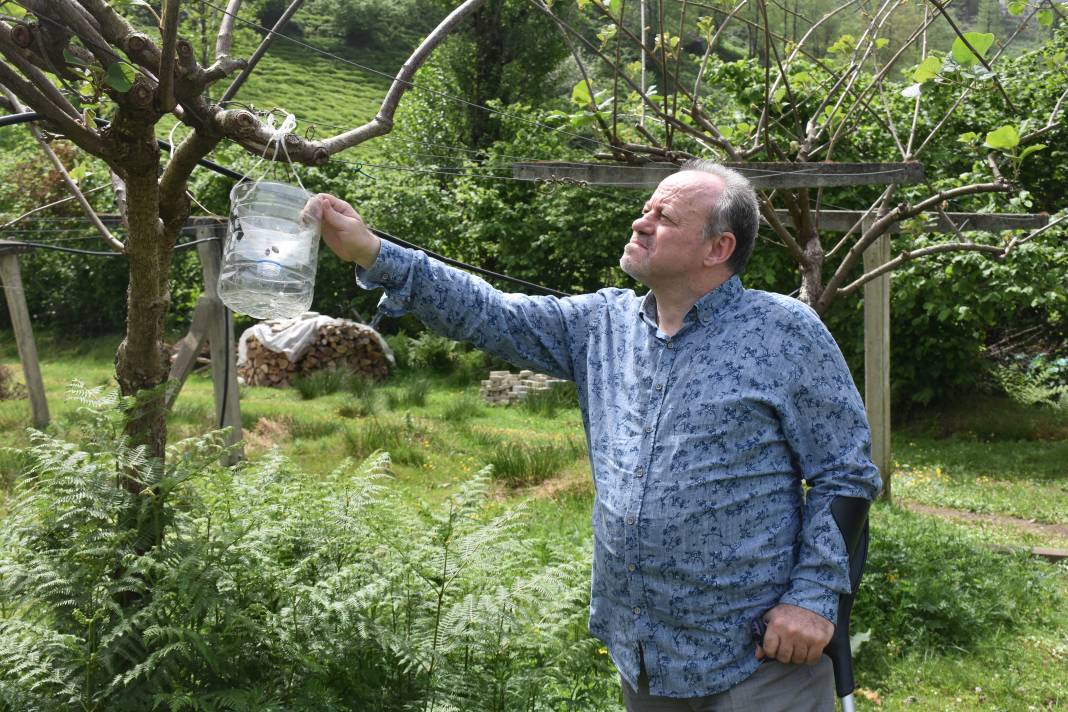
(719, 249)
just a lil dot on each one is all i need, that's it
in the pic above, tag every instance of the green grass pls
(982, 629)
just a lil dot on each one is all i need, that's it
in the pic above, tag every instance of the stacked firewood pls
(505, 387)
(351, 346)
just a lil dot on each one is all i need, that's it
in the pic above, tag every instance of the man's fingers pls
(760, 654)
(771, 644)
(800, 654)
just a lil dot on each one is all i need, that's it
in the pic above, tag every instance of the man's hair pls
(737, 210)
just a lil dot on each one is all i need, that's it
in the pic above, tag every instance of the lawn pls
(955, 624)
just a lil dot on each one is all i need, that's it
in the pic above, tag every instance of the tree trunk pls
(812, 272)
(140, 363)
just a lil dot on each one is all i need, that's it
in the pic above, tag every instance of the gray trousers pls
(774, 687)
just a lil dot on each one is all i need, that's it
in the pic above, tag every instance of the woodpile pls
(506, 388)
(351, 346)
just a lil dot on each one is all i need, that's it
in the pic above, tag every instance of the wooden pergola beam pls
(844, 220)
(11, 282)
(761, 175)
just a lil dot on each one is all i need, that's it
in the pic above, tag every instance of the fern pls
(266, 588)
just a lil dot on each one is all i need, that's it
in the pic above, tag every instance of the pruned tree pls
(65, 59)
(648, 89)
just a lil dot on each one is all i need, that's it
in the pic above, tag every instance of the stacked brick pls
(350, 346)
(506, 388)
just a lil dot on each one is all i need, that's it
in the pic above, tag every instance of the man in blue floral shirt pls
(721, 422)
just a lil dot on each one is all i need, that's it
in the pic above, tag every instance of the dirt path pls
(1053, 534)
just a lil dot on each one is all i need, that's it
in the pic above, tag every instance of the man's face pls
(667, 242)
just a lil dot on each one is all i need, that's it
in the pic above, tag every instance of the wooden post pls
(223, 344)
(11, 279)
(188, 347)
(877, 356)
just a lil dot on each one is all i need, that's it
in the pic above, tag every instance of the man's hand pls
(345, 232)
(794, 635)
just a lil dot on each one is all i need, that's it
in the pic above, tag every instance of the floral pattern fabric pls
(715, 454)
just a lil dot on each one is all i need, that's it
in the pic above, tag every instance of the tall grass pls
(404, 442)
(463, 408)
(518, 464)
(547, 403)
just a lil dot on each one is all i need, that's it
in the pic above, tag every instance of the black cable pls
(20, 118)
(463, 265)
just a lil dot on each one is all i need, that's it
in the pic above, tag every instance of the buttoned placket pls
(667, 348)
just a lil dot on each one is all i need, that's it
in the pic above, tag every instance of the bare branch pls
(708, 52)
(166, 63)
(226, 29)
(383, 121)
(232, 90)
(71, 185)
(908, 255)
(1017, 241)
(585, 76)
(901, 212)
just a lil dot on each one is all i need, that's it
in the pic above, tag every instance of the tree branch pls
(901, 212)
(71, 185)
(68, 126)
(383, 121)
(260, 51)
(908, 255)
(226, 29)
(169, 33)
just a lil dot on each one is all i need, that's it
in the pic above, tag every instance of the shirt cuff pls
(813, 597)
(389, 269)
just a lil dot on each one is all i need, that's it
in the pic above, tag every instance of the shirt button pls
(631, 567)
(671, 344)
(637, 611)
(640, 471)
(630, 519)
(659, 386)
(648, 428)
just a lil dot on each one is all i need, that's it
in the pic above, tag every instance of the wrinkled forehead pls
(688, 189)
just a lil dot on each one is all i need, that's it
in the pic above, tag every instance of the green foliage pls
(1040, 382)
(273, 589)
(929, 586)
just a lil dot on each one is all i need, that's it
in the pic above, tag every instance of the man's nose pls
(641, 224)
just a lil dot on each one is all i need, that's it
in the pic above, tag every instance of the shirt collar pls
(707, 308)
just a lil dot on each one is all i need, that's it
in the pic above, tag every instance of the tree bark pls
(140, 364)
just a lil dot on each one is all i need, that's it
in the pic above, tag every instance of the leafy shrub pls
(268, 588)
(930, 585)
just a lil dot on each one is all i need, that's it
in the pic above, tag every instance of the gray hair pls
(737, 210)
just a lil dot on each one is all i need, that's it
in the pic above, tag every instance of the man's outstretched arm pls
(544, 333)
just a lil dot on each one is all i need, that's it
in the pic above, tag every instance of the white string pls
(277, 138)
